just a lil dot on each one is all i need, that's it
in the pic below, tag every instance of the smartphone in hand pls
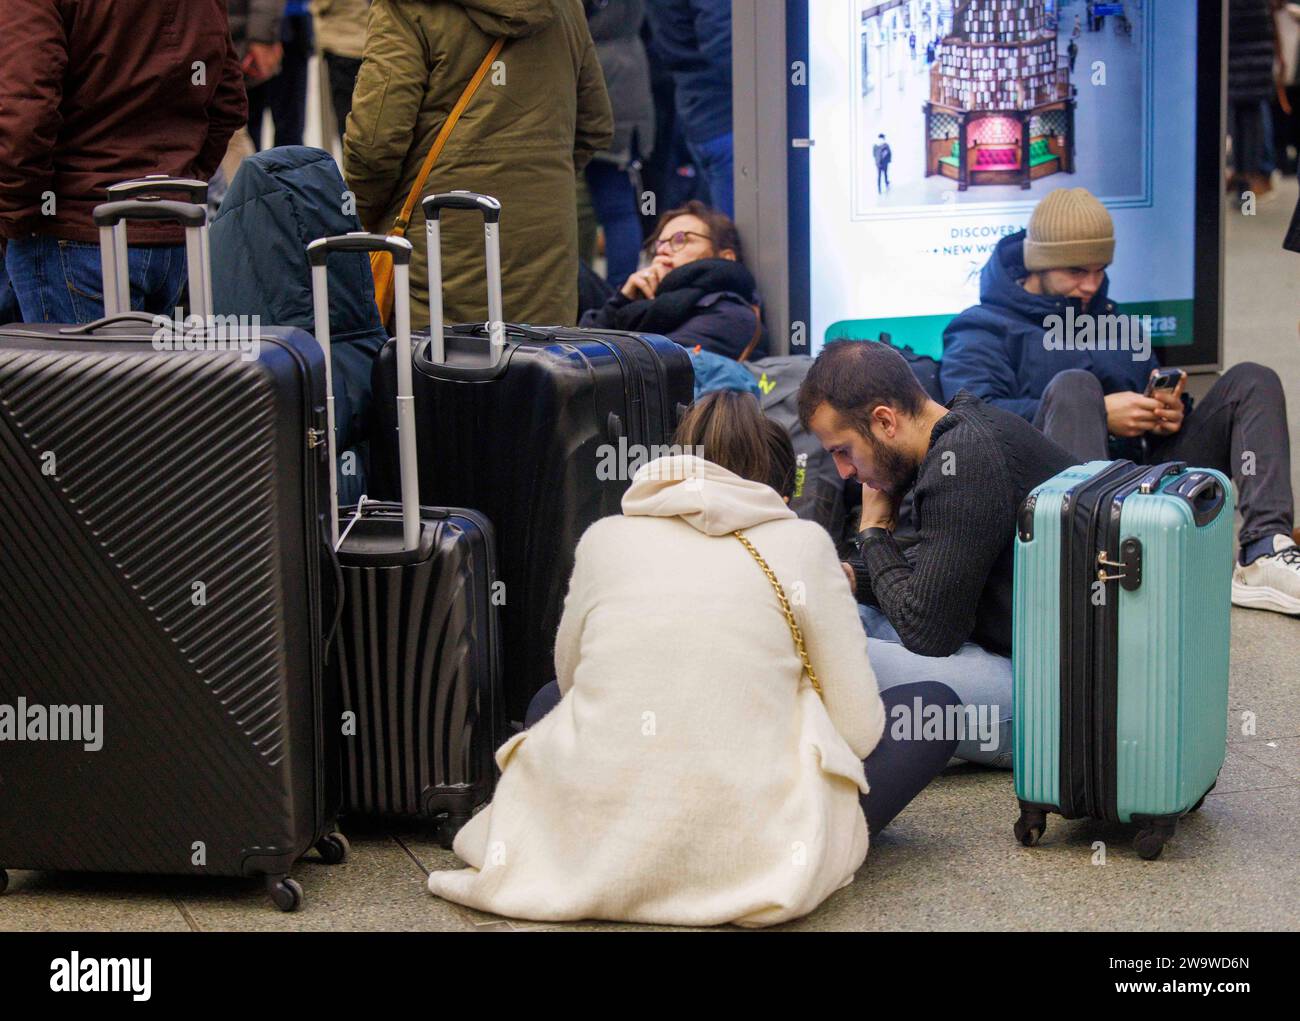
(1164, 379)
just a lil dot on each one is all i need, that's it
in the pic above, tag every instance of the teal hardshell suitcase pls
(1120, 645)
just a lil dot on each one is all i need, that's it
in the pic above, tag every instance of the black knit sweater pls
(953, 585)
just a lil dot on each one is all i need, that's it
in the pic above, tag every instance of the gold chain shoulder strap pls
(795, 632)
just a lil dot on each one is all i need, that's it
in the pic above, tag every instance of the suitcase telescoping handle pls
(491, 210)
(151, 188)
(400, 249)
(193, 217)
(1158, 474)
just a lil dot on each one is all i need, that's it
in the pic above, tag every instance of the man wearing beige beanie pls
(1047, 285)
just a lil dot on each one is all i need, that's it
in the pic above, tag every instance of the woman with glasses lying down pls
(700, 758)
(695, 289)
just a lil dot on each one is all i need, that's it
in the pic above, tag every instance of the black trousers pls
(343, 79)
(1238, 428)
(897, 770)
(285, 95)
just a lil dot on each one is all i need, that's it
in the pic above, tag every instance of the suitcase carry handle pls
(149, 189)
(511, 329)
(1204, 494)
(1156, 475)
(400, 249)
(86, 329)
(109, 216)
(491, 210)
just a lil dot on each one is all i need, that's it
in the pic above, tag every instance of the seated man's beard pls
(895, 471)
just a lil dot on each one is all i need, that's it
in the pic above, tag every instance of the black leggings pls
(897, 770)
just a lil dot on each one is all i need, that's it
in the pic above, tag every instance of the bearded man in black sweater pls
(936, 606)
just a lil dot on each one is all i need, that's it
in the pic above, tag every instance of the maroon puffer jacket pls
(98, 91)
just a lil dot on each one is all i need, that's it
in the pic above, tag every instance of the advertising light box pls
(985, 106)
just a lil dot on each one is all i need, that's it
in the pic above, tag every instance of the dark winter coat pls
(1251, 51)
(534, 123)
(616, 28)
(693, 39)
(709, 303)
(93, 92)
(996, 350)
(281, 200)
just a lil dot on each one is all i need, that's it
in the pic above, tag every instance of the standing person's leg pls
(1072, 414)
(289, 95)
(56, 281)
(614, 201)
(62, 281)
(716, 158)
(259, 98)
(981, 680)
(906, 761)
(343, 79)
(9, 310)
(1240, 428)
(157, 275)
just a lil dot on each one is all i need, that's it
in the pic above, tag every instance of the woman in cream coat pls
(690, 774)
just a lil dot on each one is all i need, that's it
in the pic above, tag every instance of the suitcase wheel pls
(1149, 842)
(286, 892)
(1031, 826)
(4, 880)
(333, 848)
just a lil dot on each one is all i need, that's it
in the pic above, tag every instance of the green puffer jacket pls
(536, 120)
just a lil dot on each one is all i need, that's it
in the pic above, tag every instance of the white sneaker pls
(1272, 582)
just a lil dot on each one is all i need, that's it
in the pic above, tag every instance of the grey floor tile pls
(80, 902)
(1280, 754)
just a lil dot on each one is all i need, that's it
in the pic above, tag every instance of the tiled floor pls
(949, 861)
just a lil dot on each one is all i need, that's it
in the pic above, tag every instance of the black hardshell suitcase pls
(419, 651)
(162, 548)
(540, 429)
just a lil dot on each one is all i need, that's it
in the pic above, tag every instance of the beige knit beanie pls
(1069, 227)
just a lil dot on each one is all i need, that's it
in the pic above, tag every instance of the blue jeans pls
(615, 202)
(9, 311)
(61, 281)
(716, 159)
(980, 678)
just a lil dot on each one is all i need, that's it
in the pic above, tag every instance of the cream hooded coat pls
(690, 775)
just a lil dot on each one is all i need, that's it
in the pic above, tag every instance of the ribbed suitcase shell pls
(169, 469)
(420, 670)
(1171, 655)
(521, 443)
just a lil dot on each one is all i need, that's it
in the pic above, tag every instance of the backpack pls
(818, 488)
(280, 200)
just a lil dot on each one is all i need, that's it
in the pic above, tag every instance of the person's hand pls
(644, 282)
(877, 509)
(1170, 412)
(853, 578)
(263, 61)
(1130, 414)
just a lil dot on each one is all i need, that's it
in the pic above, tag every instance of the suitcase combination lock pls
(1130, 578)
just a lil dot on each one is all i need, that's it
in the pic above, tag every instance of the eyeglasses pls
(675, 243)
